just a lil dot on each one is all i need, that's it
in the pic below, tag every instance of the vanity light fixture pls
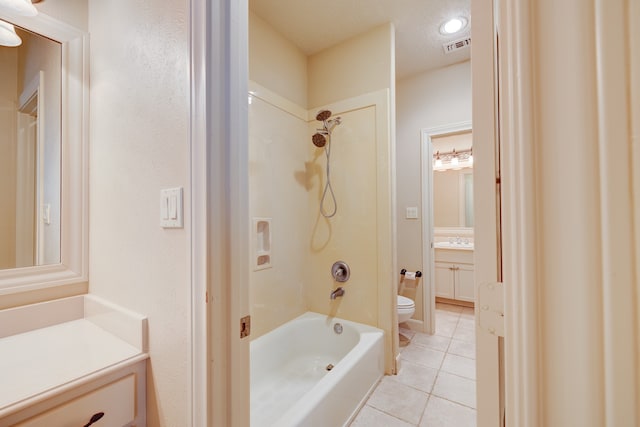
(8, 36)
(19, 7)
(453, 26)
(438, 160)
(453, 160)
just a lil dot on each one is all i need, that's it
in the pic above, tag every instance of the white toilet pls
(406, 308)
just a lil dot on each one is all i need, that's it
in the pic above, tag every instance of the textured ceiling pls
(317, 25)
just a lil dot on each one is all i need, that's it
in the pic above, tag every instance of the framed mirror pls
(453, 185)
(43, 173)
(30, 145)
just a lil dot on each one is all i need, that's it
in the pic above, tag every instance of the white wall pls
(139, 145)
(437, 98)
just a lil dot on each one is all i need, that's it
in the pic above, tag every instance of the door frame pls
(220, 373)
(219, 212)
(486, 171)
(428, 254)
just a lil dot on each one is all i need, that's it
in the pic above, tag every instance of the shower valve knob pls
(340, 271)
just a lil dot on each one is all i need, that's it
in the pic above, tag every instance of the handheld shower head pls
(319, 140)
(323, 115)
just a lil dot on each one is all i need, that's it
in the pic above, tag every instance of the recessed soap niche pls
(262, 243)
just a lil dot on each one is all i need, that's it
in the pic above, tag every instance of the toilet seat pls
(406, 308)
(405, 303)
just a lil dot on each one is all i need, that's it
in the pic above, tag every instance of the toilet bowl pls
(406, 308)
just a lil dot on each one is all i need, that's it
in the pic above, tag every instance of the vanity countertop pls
(454, 246)
(39, 363)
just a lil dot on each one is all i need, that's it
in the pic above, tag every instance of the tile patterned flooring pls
(436, 384)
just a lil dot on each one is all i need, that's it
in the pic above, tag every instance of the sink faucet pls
(337, 293)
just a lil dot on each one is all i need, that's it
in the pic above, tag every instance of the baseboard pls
(455, 302)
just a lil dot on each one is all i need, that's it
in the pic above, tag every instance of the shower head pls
(319, 140)
(323, 115)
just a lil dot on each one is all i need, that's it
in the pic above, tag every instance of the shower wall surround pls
(287, 177)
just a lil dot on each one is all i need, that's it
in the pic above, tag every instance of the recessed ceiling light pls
(452, 26)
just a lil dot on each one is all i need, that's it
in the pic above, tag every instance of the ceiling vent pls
(457, 45)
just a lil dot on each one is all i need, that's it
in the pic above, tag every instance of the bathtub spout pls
(337, 293)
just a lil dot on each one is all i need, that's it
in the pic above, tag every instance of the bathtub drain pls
(329, 367)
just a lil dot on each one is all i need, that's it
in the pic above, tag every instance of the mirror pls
(30, 151)
(43, 166)
(453, 187)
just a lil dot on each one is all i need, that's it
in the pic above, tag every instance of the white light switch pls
(46, 213)
(412, 212)
(171, 208)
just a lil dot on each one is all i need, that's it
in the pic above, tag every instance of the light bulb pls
(453, 26)
(8, 36)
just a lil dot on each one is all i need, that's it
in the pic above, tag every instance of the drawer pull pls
(94, 418)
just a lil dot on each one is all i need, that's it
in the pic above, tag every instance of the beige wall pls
(139, 145)
(287, 176)
(278, 168)
(437, 98)
(276, 63)
(73, 12)
(8, 120)
(351, 235)
(356, 66)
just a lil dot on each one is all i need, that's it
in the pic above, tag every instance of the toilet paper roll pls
(410, 275)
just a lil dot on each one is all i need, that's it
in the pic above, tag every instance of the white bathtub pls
(290, 385)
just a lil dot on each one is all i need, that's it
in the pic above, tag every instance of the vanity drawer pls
(116, 400)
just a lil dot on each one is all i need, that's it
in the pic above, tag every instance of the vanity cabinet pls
(112, 404)
(454, 274)
(69, 361)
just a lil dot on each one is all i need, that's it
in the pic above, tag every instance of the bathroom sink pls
(454, 245)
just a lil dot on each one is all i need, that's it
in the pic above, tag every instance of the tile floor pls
(436, 384)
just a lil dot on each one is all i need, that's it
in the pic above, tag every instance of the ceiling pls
(316, 25)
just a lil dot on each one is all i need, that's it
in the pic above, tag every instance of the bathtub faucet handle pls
(337, 293)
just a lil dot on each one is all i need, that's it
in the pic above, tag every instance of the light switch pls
(171, 211)
(412, 212)
(46, 213)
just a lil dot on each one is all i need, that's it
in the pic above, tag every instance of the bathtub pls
(292, 382)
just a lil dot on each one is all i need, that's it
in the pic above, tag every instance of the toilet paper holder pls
(404, 270)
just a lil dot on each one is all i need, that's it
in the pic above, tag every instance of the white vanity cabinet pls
(454, 274)
(66, 361)
(115, 400)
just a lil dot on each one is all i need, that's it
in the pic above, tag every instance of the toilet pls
(406, 308)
